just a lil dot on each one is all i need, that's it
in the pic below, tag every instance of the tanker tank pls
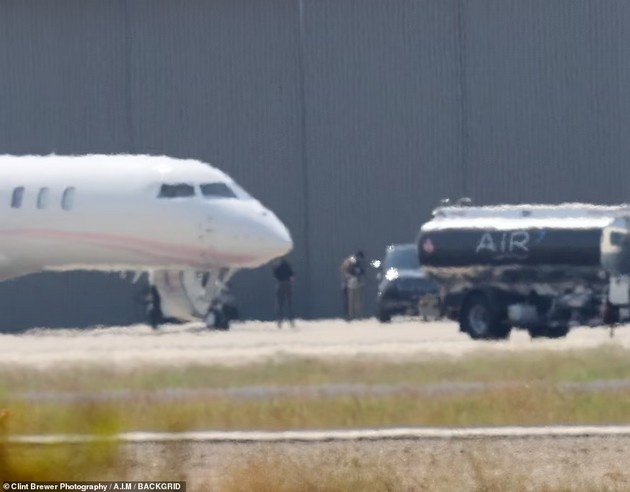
(539, 267)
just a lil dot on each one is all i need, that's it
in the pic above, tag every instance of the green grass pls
(533, 396)
(604, 363)
(93, 461)
(521, 405)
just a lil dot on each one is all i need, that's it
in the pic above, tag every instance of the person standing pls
(149, 298)
(345, 269)
(353, 274)
(284, 275)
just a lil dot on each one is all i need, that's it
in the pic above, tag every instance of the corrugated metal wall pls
(383, 127)
(547, 104)
(350, 118)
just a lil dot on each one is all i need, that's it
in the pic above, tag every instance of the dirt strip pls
(560, 463)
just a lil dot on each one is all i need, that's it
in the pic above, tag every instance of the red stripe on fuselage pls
(156, 249)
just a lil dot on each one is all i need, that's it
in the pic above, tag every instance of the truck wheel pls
(383, 316)
(481, 320)
(558, 331)
(549, 331)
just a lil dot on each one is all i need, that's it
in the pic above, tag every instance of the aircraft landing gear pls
(220, 311)
(217, 319)
(177, 296)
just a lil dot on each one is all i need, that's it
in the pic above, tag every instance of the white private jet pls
(187, 224)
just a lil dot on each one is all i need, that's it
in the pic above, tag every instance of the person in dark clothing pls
(149, 298)
(155, 308)
(284, 275)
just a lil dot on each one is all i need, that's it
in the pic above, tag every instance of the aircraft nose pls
(276, 240)
(253, 233)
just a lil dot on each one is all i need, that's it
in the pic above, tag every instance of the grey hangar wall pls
(349, 118)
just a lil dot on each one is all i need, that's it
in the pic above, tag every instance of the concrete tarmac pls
(253, 341)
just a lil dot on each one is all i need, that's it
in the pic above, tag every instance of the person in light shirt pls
(353, 280)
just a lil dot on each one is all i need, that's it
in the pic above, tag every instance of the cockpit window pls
(176, 190)
(217, 190)
(240, 192)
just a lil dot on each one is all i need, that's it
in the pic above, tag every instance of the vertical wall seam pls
(4, 43)
(463, 97)
(131, 147)
(304, 157)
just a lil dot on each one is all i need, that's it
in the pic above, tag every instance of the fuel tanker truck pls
(542, 268)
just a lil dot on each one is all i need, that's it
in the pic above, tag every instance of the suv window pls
(617, 238)
(217, 190)
(178, 190)
(402, 257)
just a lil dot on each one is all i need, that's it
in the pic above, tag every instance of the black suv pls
(402, 284)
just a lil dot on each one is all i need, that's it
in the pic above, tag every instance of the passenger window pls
(179, 190)
(42, 198)
(17, 197)
(217, 190)
(67, 200)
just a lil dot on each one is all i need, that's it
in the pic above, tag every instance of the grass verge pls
(93, 461)
(533, 396)
(524, 405)
(603, 363)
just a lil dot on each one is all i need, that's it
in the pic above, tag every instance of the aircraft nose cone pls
(286, 243)
(254, 234)
(277, 239)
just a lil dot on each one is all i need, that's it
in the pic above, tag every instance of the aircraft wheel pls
(222, 322)
(154, 318)
(217, 319)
